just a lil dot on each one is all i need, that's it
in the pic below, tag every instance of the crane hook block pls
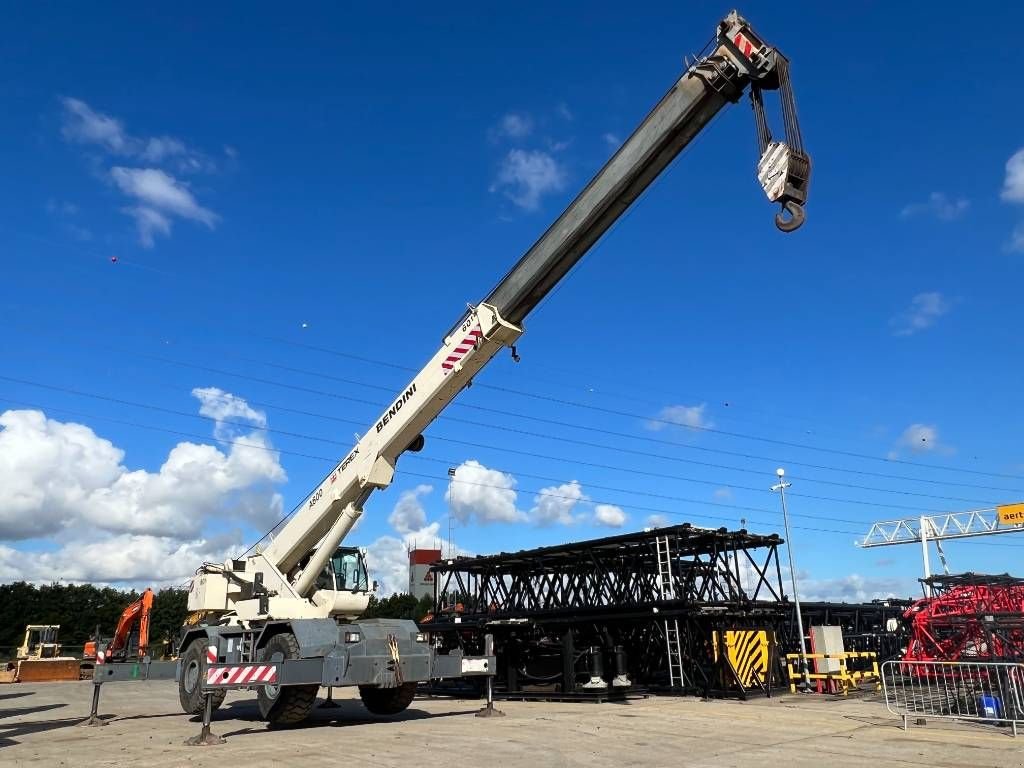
(796, 216)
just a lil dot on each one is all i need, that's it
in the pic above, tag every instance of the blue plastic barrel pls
(990, 706)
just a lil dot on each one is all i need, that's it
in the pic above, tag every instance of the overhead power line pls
(334, 461)
(598, 409)
(484, 446)
(588, 406)
(406, 473)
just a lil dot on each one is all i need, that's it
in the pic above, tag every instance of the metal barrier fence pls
(983, 692)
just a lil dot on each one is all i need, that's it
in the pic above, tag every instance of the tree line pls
(80, 608)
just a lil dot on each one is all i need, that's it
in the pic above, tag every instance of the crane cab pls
(343, 587)
(345, 571)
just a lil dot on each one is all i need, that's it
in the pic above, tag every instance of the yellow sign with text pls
(1011, 514)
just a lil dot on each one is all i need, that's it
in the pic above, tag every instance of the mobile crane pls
(284, 618)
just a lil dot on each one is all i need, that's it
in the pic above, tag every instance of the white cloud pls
(387, 558)
(47, 470)
(723, 494)
(124, 559)
(1013, 192)
(564, 112)
(1013, 185)
(689, 416)
(924, 310)
(223, 406)
(854, 588)
(555, 505)
(613, 141)
(610, 515)
(85, 125)
(482, 494)
(159, 196)
(525, 176)
(514, 125)
(387, 562)
(110, 523)
(1017, 238)
(409, 516)
(162, 191)
(159, 148)
(939, 206)
(149, 223)
(919, 439)
(656, 521)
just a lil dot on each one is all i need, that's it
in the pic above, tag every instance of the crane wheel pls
(190, 691)
(387, 701)
(796, 217)
(284, 704)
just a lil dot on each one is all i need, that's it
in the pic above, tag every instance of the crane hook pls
(796, 216)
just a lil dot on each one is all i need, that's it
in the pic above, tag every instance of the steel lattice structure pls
(616, 574)
(561, 614)
(968, 617)
(876, 626)
(953, 525)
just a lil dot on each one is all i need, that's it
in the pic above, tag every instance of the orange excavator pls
(118, 648)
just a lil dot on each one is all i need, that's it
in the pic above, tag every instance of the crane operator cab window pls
(345, 571)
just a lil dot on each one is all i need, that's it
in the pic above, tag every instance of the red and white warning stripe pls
(744, 44)
(211, 654)
(246, 674)
(463, 348)
(100, 656)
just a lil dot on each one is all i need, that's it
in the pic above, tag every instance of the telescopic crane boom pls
(302, 573)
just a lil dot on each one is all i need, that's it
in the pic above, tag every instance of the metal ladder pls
(246, 647)
(666, 587)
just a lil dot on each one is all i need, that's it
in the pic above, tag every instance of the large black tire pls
(190, 692)
(387, 701)
(284, 704)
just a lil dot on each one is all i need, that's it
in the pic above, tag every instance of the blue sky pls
(294, 200)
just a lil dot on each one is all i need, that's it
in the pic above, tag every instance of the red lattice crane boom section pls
(970, 617)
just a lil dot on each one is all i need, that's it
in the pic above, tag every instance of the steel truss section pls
(589, 614)
(953, 525)
(615, 575)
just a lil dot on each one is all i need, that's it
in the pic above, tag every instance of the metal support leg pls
(94, 716)
(329, 702)
(489, 710)
(205, 738)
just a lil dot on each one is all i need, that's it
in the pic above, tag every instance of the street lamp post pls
(781, 487)
(451, 474)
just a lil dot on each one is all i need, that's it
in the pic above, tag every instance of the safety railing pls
(983, 692)
(835, 672)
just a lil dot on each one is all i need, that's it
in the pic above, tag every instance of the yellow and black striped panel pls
(747, 651)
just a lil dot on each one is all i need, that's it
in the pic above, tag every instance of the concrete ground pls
(38, 727)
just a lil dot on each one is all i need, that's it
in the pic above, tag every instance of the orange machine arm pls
(141, 610)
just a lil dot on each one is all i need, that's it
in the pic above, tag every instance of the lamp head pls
(780, 472)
